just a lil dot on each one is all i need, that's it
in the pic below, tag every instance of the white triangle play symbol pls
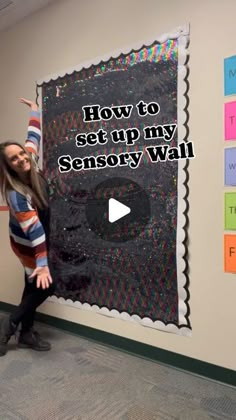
(116, 210)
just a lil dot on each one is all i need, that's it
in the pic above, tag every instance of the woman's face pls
(17, 159)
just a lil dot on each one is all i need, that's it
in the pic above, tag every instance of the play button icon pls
(118, 210)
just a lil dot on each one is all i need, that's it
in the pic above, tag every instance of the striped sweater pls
(27, 235)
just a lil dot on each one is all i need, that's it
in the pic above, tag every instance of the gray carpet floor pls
(82, 380)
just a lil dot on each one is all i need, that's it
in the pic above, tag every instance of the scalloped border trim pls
(183, 327)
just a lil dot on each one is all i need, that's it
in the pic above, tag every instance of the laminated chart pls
(230, 166)
(230, 75)
(230, 253)
(230, 120)
(230, 211)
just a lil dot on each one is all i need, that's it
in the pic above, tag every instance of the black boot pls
(31, 340)
(7, 329)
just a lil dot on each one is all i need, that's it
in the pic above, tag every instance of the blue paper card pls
(230, 75)
(230, 166)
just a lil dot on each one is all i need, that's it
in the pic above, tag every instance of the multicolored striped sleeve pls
(30, 232)
(32, 143)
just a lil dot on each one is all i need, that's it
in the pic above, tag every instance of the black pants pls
(32, 297)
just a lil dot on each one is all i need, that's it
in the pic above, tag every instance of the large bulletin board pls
(116, 127)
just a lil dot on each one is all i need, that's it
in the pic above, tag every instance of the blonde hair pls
(9, 179)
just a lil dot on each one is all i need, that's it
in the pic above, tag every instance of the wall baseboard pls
(136, 348)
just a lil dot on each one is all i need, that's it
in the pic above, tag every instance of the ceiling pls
(12, 11)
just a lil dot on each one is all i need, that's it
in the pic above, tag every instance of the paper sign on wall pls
(230, 211)
(230, 166)
(230, 253)
(230, 121)
(230, 75)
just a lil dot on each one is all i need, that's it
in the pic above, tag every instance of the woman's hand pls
(44, 278)
(29, 103)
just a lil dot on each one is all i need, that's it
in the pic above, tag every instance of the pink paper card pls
(230, 120)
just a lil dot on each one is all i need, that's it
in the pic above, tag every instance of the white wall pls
(69, 32)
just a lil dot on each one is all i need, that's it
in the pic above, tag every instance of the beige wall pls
(72, 31)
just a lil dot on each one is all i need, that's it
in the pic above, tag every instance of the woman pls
(24, 189)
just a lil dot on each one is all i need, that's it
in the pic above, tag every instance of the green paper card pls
(230, 211)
